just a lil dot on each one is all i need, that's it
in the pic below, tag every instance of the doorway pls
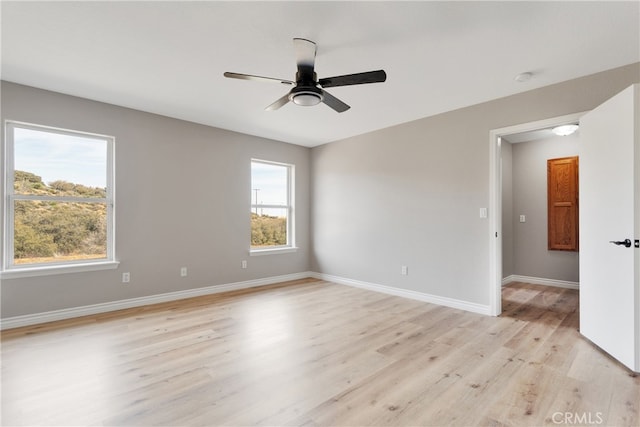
(498, 140)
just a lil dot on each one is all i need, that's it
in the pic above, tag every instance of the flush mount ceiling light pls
(564, 130)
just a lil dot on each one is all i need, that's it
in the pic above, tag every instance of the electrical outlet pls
(126, 277)
(244, 263)
(523, 218)
(404, 270)
(183, 272)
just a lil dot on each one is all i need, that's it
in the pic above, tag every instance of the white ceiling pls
(169, 57)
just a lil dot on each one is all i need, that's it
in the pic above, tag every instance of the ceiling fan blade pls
(305, 51)
(334, 102)
(354, 79)
(257, 78)
(279, 103)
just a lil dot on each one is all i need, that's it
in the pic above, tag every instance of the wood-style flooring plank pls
(313, 353)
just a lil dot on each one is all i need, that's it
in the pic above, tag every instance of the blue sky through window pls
(55, 156)
(269, 187)
(269, 182)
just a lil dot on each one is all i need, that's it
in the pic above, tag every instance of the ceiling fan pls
(308, 89)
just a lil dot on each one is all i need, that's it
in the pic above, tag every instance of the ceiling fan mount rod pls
(305, 78)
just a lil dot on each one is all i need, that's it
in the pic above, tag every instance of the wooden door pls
(562, 197)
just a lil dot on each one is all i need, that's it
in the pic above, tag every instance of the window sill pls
(272, 251)
(18, 273)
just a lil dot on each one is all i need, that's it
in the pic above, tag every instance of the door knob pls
(626, 242)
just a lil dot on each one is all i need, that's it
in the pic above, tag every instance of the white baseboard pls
(434, 299)
(87, 310)
(540, 281)
(68, 313)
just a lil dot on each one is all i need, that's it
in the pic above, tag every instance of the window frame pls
(289, 206)
(8, 268)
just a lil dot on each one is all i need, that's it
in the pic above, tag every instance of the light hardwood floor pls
(316, 353)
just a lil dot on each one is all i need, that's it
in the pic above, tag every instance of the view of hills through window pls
(53, 231)
(59, 197)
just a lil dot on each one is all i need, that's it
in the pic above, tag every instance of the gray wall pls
(182, 199)
(410, 194)
(405, 195)
(530, 254)
(506, 151)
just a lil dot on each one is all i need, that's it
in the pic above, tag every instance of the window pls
(58, 199)
(271, 207)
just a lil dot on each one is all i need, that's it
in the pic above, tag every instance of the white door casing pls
(495, 199)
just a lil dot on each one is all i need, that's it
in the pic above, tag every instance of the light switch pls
(483, 212)
(523, 218)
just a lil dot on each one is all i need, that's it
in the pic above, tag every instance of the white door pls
(609, 179)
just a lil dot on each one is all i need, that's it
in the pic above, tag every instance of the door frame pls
(495, 199)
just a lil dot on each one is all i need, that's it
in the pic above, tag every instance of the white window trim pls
(290, 207)
(8, 269)
(51, 269)
(273, 250)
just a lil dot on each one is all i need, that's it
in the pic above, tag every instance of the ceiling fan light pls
(564, 130)
(306, 99)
